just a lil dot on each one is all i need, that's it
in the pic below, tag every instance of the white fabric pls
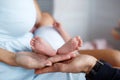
(17, 44)
(16, 17)
(50, 35)
(16, 73)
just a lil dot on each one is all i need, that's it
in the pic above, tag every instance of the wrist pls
(87, 63)
(13, 62)
(95, 69)
(91, 64)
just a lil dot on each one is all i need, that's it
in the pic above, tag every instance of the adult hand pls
(81, 63)
(32, 60)
(56, 24)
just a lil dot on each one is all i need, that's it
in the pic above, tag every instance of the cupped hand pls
(81, 63)
(32, 60)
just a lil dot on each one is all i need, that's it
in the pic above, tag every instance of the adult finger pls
(43, 64)
(57, 67)
(45, 70)
(59, 58)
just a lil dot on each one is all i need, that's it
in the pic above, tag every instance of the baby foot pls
(40, 46)
(70, 46)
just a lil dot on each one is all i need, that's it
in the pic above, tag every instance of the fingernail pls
(73, 55)
(48, 64)
(69, 56)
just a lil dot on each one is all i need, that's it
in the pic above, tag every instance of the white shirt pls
(17, 17)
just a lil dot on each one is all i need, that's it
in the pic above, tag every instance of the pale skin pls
(44, 50)
(39, 61)
(39, 46)
(35, 61)
(47, 20)
(9, 57)
(111, 56)
(81, 63)
(13, 59)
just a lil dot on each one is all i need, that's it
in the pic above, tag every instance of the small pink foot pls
(70, 46)
(40, 46)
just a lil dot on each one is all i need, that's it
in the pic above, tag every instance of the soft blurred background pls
(91, 19)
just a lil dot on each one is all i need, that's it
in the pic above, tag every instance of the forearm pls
(38, 11)
(111, 56)
(7, 57)
(38, 18)
(21, 59)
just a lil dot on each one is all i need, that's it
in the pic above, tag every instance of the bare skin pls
(31, 60)
(81, 63)
(40, 46)
(70, 46)
(48, 20)
(10, 57)
(84, 62)
(111, 56)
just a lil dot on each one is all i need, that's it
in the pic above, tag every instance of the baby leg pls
(40, 46)
(46, 20)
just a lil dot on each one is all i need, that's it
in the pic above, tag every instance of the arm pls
(38, 18)
(7, 57)
(111, 56)
(62, 32)
(86, 64)
(33, 60)
(38, 11)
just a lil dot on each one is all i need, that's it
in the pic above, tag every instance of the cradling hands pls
(31, 60)
(81, 63)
